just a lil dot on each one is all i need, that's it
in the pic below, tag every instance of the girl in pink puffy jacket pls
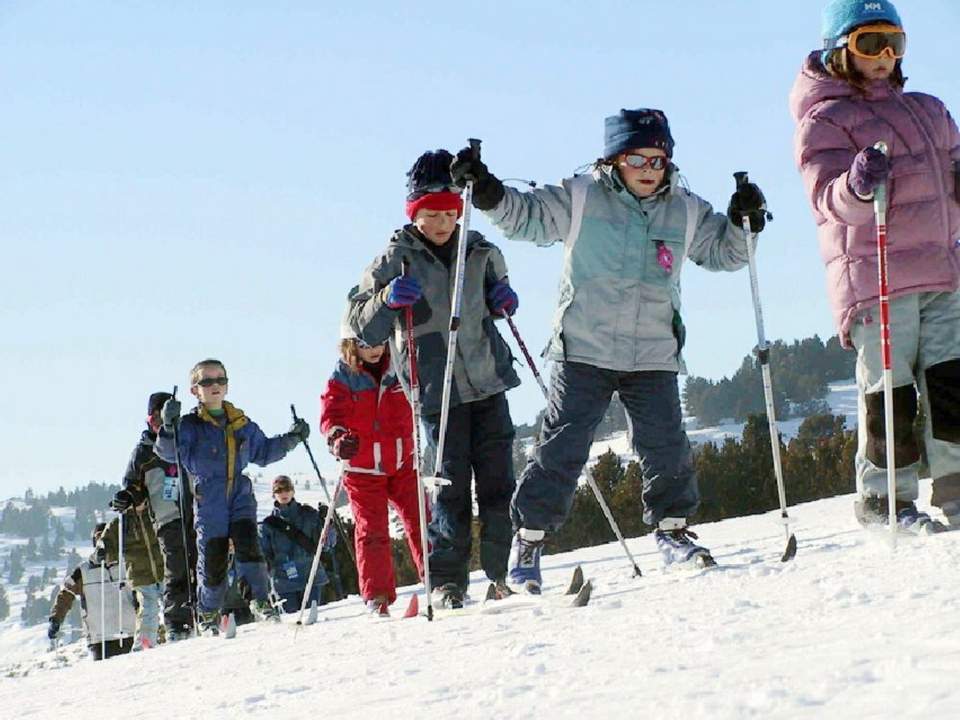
(849, 96)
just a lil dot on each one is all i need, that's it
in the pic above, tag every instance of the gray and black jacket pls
(484, 363)
(149, 477)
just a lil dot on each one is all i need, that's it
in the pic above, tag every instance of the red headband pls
(445, 200)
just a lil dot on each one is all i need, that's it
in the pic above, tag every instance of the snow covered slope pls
(849, 629)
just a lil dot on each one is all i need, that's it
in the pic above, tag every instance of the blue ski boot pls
(675, 543)
(523, 569)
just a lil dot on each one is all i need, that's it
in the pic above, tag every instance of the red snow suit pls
(382, 471)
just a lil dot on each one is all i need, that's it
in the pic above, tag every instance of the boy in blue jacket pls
(216, 441)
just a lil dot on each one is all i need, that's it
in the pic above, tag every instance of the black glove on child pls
(123, 501)
(749, 202)
(487, 189)
(344, 445)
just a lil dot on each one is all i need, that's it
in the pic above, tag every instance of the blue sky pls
(181, 180)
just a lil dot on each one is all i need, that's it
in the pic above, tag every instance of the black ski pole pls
(323, 484)
(191, 589)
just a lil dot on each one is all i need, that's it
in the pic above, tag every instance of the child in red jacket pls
(367, 421)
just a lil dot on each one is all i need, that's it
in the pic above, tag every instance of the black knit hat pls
(630, 129)
(156, 402)
(430, 173)
(97, 531)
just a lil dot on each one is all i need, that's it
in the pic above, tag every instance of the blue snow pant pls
(293, 600)
(479, 442)
(218, 520)
(579, 396)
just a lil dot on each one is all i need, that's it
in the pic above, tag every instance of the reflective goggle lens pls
(641, 161)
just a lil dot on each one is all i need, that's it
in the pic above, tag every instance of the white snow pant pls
(149, 597)
(925, 335)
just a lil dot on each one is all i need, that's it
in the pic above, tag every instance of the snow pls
(850, 628)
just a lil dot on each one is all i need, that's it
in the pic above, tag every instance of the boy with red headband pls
(479, 438)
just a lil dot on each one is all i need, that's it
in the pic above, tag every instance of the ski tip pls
(491, 593)
(791, 550)
(413, 607)
(576, 582)
(583, 595)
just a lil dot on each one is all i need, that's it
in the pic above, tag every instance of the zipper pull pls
(664, 257)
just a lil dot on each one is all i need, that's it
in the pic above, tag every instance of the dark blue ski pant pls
(579, 396)
(479, 445)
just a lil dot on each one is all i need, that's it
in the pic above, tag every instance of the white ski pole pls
(763, 355)
(886, 347)
(327, 522)
(120, 579)
(455, 303)
(103, 609)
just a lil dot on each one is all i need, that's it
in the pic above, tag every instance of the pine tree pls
(4, 604)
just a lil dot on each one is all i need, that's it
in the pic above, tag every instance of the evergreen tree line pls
(801, 372)
(36, 520)
(736, 478)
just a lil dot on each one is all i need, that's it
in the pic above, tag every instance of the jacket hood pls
(815, 85)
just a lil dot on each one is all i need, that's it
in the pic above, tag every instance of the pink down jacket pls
(834, 122)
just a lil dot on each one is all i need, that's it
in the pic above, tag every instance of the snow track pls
(848, 629)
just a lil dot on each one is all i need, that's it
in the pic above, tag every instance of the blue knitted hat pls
(842, 16)
(642, 128)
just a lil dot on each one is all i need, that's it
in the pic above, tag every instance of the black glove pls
(344, 445)
(100, 554)
(123, 501)
(487, 189)
(748, 201)
(300, 429)
(53, 629)
(170, 414)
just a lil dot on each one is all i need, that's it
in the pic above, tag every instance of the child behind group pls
(848, 97)
(367, 421)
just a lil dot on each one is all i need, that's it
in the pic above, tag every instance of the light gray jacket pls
(619, 307)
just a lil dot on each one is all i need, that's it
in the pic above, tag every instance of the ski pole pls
(120, 578)
(411, 342)
(590, 480)
(763, 355)
(526, 354)
(327, 522)
(455, 303)
(191, 591)
(103, 608)
(886, 346)
(323, 484)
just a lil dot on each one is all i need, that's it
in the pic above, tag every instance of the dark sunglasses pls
(658, 162)
(209, 382)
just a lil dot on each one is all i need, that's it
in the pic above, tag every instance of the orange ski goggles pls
(875, 41)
